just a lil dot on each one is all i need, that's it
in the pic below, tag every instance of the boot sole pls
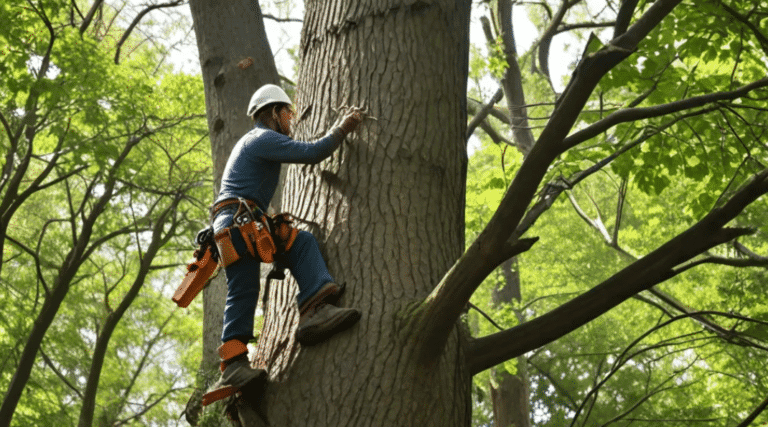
(316, 334)
(255, 384)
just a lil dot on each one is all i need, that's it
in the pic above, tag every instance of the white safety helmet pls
(267, 94)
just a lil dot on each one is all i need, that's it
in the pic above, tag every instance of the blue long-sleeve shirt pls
(253, 167)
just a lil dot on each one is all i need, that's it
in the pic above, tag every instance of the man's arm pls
(280, 148)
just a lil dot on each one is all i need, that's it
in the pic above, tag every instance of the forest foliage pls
(106, 164)
(650, 359)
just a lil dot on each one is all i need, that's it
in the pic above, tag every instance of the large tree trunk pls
(235, 59)
(389, 212)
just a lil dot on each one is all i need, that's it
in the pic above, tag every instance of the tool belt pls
(267, 238)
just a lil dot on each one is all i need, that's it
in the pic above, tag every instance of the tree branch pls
(761, 38)
(568, 27)
(546, 38)
(633, 114)
(276, 19)
(442, 308)
(646, 272)
(562, 391)
(747, 252)
(484, 111)
(553, 189)
(626, 10)
(473, 107)
(491, 132)
(751, 417)
(159, 237)
(89, 17)
(708, 324)
(512, 82)
(59, 374)
(484, 314)
(136, 21)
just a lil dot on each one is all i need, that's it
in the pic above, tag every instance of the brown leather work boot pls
(324, 320)
(236, 373)
(329, 293)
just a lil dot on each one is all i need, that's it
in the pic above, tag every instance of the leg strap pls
(232, 349)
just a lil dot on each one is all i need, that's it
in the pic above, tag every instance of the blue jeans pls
(305, 263)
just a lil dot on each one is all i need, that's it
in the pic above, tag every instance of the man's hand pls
(351, 121)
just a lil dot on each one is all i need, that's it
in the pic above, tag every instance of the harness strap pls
(234, 201)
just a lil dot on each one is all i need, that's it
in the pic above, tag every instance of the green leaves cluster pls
(112, 164)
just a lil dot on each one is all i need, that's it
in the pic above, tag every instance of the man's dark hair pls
(267, 112)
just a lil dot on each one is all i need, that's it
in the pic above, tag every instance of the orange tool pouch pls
(227, 251)
(284, 230)
(267, 237)
(198, 275)
(258, 240)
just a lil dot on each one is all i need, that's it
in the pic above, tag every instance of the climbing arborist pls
(247, 186)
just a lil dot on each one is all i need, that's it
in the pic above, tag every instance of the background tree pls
(101, 172)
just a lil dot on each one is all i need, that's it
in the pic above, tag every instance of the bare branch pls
(484, 111)
(276, 19)
(546, 38)
(746, 251)
(582, 25)
(76, 9)
(491, 132)
(732, 262)
(596, 223)
(484, 314)
(473, 107)
(6, 126)
(619, 210)
(136, 21)
(149, 406)
(561, 390)
(512, 82)
(58, 373)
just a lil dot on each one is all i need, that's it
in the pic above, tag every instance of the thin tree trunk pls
(510, 395)
(113, 319)
(389, 212)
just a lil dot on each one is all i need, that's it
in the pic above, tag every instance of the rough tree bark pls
(235, 60)
(388, 208)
